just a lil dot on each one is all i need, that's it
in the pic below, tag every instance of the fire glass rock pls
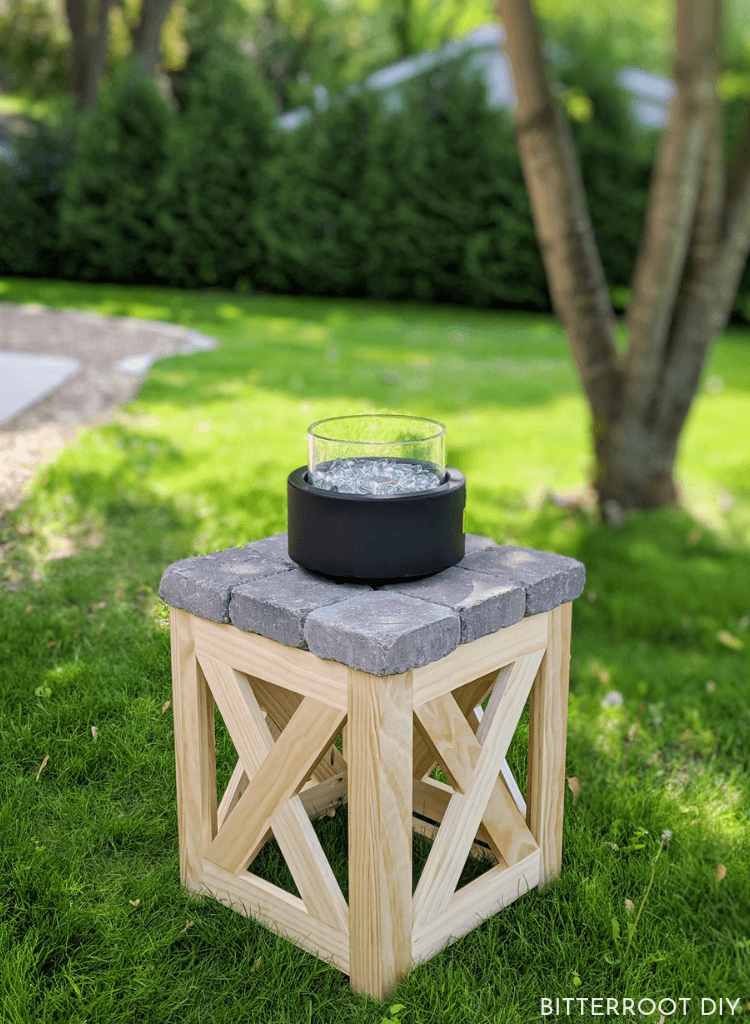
(375, 476)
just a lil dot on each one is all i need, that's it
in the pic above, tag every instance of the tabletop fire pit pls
(376, 501)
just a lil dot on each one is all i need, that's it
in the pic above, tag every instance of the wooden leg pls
(380, 830)
(195, 752)
(548, 722)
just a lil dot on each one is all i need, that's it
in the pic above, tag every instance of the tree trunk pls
(403, 28)
(146, 35)
(89, 29)
(694, 247)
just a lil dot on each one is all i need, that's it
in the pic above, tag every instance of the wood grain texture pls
(278, 910)
(473, 903)
(548, 722)
(466, 697)
(317, 798)
(239, 780)
(298, 671)
(459, 749)
(235, 788)
(324, 796)
(507, 777)
(472, 661)
(195, 755)
(431, 799)
(509, 838)
(380, 729)
(276, 771)
(440, 718)
(280, 704)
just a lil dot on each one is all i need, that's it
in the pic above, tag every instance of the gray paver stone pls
(203, 585)
(483, 603)
(383, 633)
(474, 542)
(550, 580)
(277, 606)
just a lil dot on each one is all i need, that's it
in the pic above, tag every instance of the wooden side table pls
(292, 659)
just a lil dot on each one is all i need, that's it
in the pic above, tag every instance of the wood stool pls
(292, 659)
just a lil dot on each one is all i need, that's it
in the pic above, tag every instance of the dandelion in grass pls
(613, 699)
(665, 837)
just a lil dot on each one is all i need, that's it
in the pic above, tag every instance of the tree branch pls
(739, 160)
(146, 35)
(561, 217)
(706, 311)
(673, 197)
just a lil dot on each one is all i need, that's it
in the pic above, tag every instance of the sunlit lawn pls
(93, 924)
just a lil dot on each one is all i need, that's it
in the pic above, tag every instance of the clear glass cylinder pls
(376, 454)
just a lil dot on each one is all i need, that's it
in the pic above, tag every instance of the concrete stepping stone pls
(27, 378)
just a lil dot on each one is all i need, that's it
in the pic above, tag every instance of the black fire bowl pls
(376, 539)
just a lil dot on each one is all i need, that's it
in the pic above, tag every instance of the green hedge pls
(427, 204)
(29, 202)
(109, 201)
(211, 184)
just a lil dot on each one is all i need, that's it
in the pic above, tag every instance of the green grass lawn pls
(93, 924)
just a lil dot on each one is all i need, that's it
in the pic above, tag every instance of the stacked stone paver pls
(385, 631)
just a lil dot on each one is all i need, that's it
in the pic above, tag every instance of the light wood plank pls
(475, 902)
(278, 910)
(320, 798)
(431, 799)
(471, 661)
(513, 788)
(459, 749)
(281, 704)
(296, 670)
(235, 788)
(430, 830)
(239, 780)
(465, 810)
(278, 772)
(493, 703)
(548, 723)
(506, 775)
(380, 836)
(195, 755)
(466, 697)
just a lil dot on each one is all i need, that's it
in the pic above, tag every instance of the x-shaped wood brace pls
(472, 763)
(276, 771)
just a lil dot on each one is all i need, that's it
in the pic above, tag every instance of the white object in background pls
(135, 364)
(26, 378)
(507, 774)
(193, 341)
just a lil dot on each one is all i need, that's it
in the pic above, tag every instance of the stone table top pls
(386, 630)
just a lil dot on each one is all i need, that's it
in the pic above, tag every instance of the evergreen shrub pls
(426, 203)
(421, 204)
(315, 216)
(208, 194)
(452, 222)
(30, 192)
(109, 200)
